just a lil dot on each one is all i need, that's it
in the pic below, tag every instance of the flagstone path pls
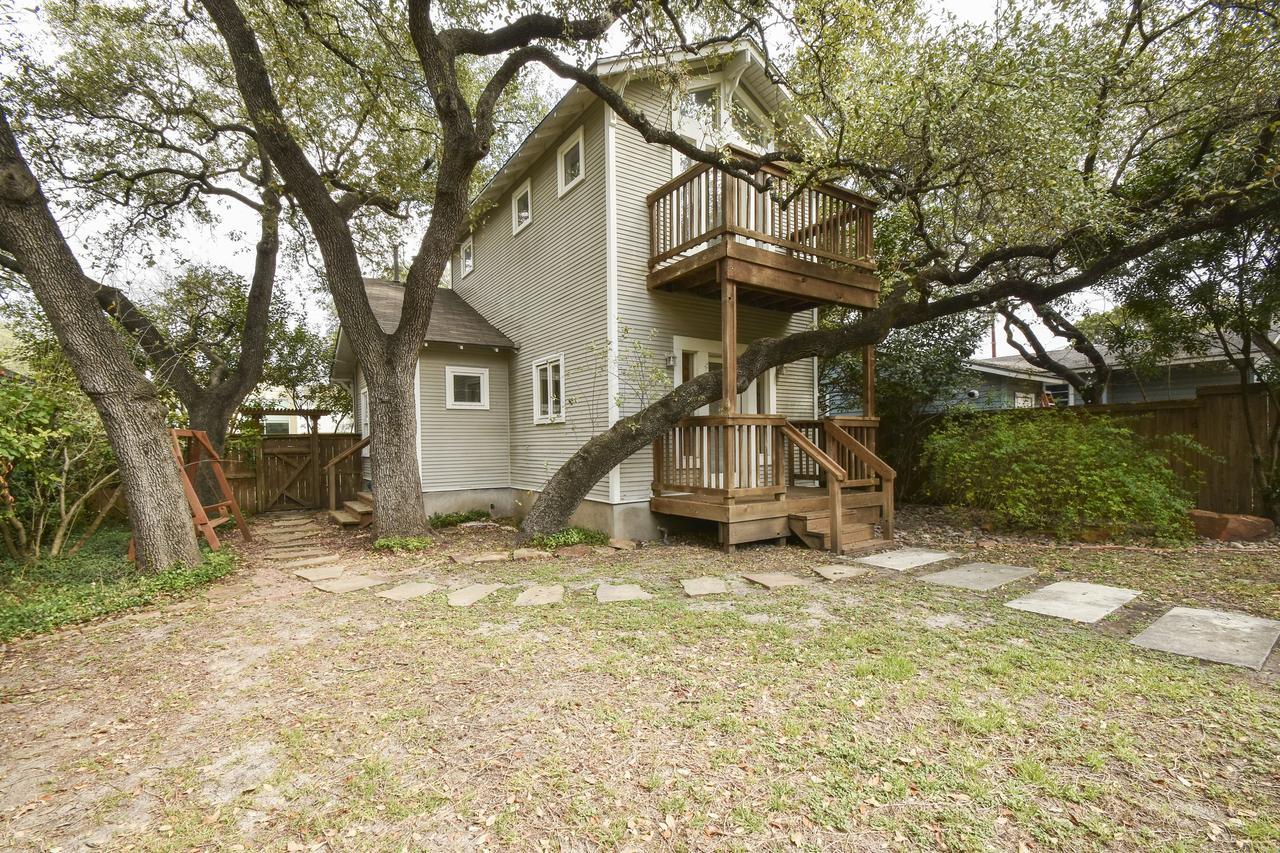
(1237, 639)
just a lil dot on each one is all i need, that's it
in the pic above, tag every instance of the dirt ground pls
(874, 713)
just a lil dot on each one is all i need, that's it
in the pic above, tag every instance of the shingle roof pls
(1212, 352)
(453, 321)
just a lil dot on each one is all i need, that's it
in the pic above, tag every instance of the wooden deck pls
(791, 249)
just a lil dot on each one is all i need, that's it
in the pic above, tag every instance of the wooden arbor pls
(197, 452)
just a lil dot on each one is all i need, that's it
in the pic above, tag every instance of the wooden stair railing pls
(835, 476)
(863, 454)
(331, 470)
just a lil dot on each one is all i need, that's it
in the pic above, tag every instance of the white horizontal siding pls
(463, 448)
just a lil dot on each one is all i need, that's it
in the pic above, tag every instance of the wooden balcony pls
(766, 477)
(790, 249)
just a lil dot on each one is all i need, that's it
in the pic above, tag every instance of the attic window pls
(571, 162)
(467, 252)
(750, 123)
(521, 208)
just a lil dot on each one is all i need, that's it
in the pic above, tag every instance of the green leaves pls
(1062, 473)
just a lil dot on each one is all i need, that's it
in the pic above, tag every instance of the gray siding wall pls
(649, 320)
(463, 448)
(545, 289)
(1178, 382)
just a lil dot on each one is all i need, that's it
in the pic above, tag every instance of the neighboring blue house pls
(1010, 382)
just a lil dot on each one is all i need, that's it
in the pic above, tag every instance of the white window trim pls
(364, 417)
(451, 371)
(516, 225)
(467, 245)
(575, 139)
(538, 418)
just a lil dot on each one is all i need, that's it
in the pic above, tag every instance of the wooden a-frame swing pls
(199, 451)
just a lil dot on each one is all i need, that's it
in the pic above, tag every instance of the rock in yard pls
(623, 544)
(539, 595)
(1226, 527)
(774, 580)
(574, 551)
(349, 583)
(530, 554)
(406, 591)
(469, 595)
(840, 572)
(608, 593)
(321, 573)
(694, 587)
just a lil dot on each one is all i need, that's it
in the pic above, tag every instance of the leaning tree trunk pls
(132, 414)
(393, 452)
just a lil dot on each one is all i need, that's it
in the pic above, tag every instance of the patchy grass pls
(404, 544)
(569, 536)
(876, 712)
(52, 592)
(442, 520)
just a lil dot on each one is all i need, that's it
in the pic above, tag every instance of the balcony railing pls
(825, 223)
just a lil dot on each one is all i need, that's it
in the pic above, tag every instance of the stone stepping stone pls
(1079, 602)
(293, 539)
(1213, 635)
(407, 591)
(978, 576)
(295, 553)
(349, 583)
(472, 559)
(693, 587)
(469, 595)
(310, 561)
(776, 580)
(293, 522)
(608, 593)
(531, 554)
(321, 573)
(905, 558)
(841, 572)
(536, 596)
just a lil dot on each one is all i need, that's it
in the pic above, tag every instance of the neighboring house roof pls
(1017, 366)
(453, 321)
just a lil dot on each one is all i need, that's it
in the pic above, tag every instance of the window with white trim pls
(468, 255)
(364, 418)
(521, 208)
(548, 390)
(571, 162)
(466, 387)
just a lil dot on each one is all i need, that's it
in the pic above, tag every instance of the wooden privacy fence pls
(1216, 419)
(287, 471)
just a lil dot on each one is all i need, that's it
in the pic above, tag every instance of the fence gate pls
(287, 472)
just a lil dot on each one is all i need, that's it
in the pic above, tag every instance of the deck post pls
(729, 343)
(869, 381)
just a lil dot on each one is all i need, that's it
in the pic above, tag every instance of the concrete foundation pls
(497, 502)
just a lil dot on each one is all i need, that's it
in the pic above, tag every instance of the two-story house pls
(600, 272)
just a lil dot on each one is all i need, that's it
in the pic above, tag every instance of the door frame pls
(703, 349)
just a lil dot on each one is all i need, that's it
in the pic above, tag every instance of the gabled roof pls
(453, 321)
(617, 70)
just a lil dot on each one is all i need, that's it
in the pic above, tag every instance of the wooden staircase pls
(857, 528)
(356, 513)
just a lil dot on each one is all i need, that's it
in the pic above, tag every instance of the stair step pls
(358, 507)
(866, 545)
(820, 522)
(341, 516)
(366, 496)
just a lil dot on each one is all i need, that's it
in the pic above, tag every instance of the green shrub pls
(570, 536)
(1062, 473)
(40, 595)
(441, 520)
(404, 544)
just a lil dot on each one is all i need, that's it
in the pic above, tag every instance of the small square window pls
(521, 208)
(548, 390)
(571, 162)
(466, 387)
(468, 256)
